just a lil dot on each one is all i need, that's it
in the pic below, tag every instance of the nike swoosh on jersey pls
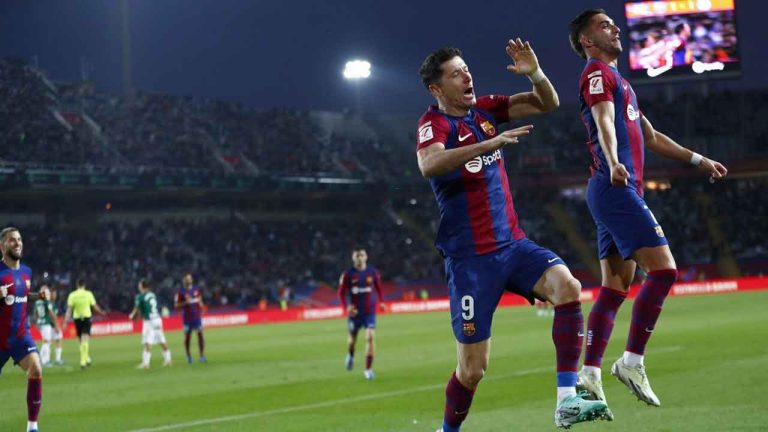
(462, 138)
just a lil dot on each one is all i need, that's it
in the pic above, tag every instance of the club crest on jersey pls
(368, 280)
(632, 113)
(469, 329)
(488, 128)
(659, 231)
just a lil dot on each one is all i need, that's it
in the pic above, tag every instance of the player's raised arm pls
(543, 98)
(605, 116)
(434, 160)
(665, 146)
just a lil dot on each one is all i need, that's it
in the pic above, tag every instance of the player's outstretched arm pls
(435, 160)
(604, 115)
(665, 146)
(543, 98)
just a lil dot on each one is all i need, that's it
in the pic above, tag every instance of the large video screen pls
(679, 39)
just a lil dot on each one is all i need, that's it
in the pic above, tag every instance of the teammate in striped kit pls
(15, 340)
(628, 234)
(360, 282)
(459, 148)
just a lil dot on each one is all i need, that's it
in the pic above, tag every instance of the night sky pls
(291, 53)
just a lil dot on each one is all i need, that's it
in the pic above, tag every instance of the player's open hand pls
(3, 290)
(524, 61)
(510, 136)
(715, 169)
(619, 175)
(351, 311)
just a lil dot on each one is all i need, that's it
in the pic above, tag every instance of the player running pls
(459, 148)
(48, 324)
(627, 232)
(152, 325)
(359, 282)
(15, 340)
(190, 298)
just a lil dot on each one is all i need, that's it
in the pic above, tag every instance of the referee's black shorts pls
(83, 326)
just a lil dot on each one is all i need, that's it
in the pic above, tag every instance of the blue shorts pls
(361, 321)
(193, 325)
(476, 283)
(18, 348)
(624, 222)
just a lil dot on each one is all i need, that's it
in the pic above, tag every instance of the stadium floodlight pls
(357, 69)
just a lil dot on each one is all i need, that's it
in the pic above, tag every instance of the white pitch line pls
(326, 404)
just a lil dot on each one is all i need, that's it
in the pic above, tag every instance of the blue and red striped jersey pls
(602, 82)
(13, 310)
(477, 215)
(359, 286)
(192, 311)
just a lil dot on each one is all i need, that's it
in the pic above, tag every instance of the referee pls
(79, 304)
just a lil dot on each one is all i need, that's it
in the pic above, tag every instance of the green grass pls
(707, 362)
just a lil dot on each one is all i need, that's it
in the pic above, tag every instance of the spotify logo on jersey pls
(10, 299)
(475, 165)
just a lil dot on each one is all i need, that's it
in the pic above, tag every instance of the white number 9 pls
(468, 306)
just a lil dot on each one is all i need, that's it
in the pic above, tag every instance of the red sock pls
(34, 398)
(201, 343)
(457, 402)
(186, 342)
(568, 336)
(368, 361)
(600, 324)
(647, 308)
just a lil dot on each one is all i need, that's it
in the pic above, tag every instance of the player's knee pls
(569, 291)
(471, 375)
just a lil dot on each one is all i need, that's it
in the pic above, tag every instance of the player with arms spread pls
(190, 299)
(15, 340)
(152, 325)
(359, 282)
(485, 251)
(627, 232)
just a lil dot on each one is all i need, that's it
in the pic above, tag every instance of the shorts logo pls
(469, 329)
(596, 85)
(488, 128)
(632, 114)
(425, 132)
(659, 231)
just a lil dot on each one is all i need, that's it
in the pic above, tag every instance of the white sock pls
(631, 359)
(58, 354)
(146, 357)
(167, 356)
(31, 425)
(593, 371)
(564, 392)
(45, 352)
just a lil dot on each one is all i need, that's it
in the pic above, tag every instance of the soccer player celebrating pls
(628, 233)
(485, 251)
(15, 340)
(152, 325)
(190, 298)
(79, 305)
(358, 282)
(48, 324)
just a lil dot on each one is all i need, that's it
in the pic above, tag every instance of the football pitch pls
(708, 362)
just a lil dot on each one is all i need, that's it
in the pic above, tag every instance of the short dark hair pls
(680, 27)
(358, 248)
(80, 282)
(145, 283)
(431, 70)
(4, 233)
(578, 25)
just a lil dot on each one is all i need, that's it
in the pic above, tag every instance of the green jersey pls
(146, 303)
(41, 310)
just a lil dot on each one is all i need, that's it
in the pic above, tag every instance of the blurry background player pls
(48, 324)
(485, 251)
(190, 299)
(145, 305)
(79, 305)
(15, 339)
(628, 233)
(359, 282)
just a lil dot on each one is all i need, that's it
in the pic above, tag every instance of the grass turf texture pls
(706, 361)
